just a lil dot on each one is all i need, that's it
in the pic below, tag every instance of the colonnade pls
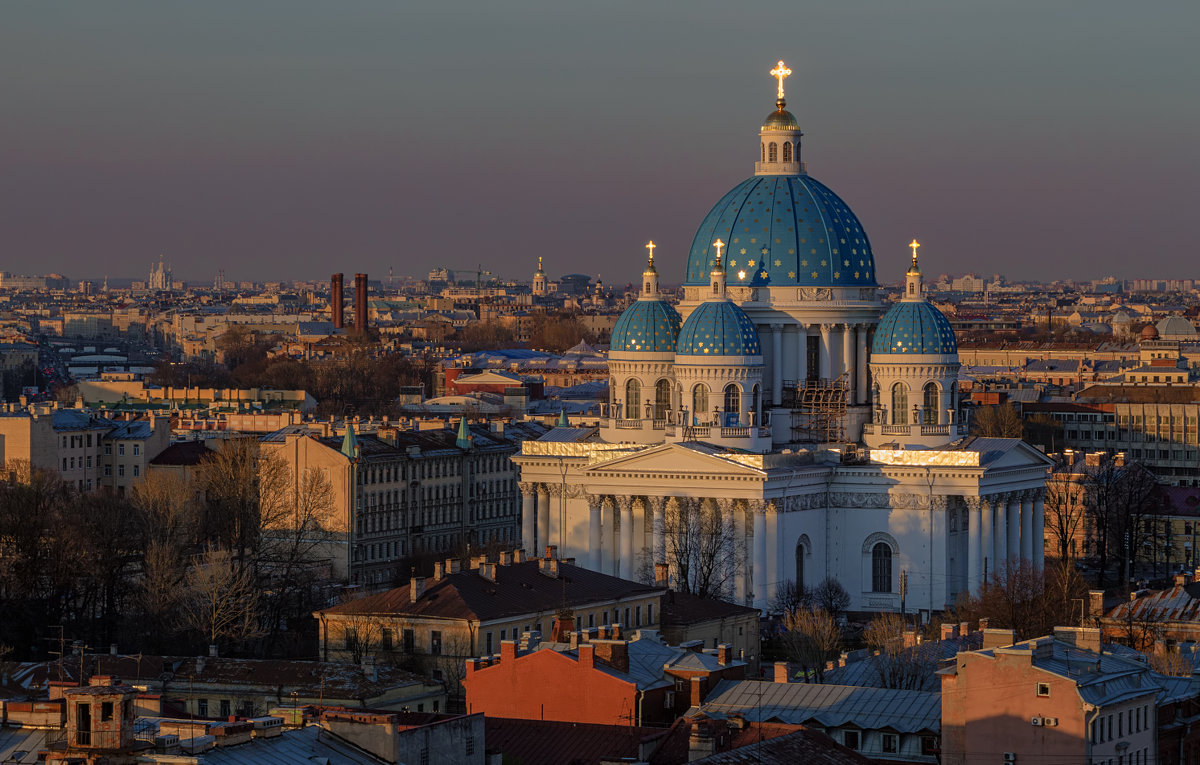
(1004, 529)
(842, 348)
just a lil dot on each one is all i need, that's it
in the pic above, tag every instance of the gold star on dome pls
(750, 264)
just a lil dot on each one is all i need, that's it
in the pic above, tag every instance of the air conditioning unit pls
(1050, 721)
(1010, 756)
(1036, 721)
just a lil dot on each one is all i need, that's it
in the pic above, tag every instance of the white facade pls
(736, 492)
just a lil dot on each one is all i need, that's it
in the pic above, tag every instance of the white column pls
(848, 359)
(801, 355)
(1027, 527)
(985, 534)
(974, 543)
(608, 536)
(529, 518)
(999, 534)
(776, 364)
(543, 520)
(760, 558)
(554, 512)
(1039, 532)
(659, 553)
(773, 542)
(740, 590)
(860, 375)
(626, 531)
(593, 532)
(1014, 525)
(826, 353)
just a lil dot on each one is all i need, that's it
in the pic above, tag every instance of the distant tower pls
(389, 277)
(160, 277)
(220, 283)
(335, 301)
(360, 303)
(539, 280)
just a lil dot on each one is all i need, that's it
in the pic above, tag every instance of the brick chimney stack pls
(360, 303)
(335, 301)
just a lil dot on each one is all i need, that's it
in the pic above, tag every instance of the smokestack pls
(360, 303)
(335, 300)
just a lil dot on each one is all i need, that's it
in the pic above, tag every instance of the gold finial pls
(780, 72)
(914, 244)
(539, 262)
(650, 246)
(718, 244)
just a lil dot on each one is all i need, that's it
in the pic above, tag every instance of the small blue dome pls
(648, 326)
(718, 328)
(790, 226)
(914, 327)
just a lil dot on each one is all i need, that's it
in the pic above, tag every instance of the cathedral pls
(779, 426)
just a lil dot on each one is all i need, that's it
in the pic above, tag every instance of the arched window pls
(881, 568)
(699, 402)
(899, 404)
(762, 149)
(787, 151)
(932, 415)
(756, 403)
(772, 152)
(800, 553)
(633, 398)
(662, 399)
(733, 400)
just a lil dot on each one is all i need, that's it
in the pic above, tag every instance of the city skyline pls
(292, 145)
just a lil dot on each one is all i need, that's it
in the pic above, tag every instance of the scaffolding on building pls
(819, 411)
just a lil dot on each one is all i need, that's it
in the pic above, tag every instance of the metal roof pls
(829, 706)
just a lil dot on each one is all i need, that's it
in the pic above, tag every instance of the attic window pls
(1043, 689)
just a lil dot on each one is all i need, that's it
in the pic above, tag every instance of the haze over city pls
(1051, 138)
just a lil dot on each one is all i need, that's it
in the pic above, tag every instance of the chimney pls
(335, 301)
(949, 631)
(964, 629)
(615, 633)
(697, 692)
(1092, 459)
(998, 638)
(488, 571)
(416, 588)
(724, 654)
(563, 624)
(1095, 603)
(518, 555)
(1119, 459)
(212, 650)
(587, 655)
(662, 575)
(1182, 578)
(1087, 638)
(910, 637)
(505, 558)
(453, 566)
(360, 303)
(508, 650)
(602, 632)
(551, 552)
(614, 653)
(437, 571)
(984, 621)
(783, 673)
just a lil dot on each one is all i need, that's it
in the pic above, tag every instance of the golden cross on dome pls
(650, 246)
(780, 72)
(914, 244)
(718, 244)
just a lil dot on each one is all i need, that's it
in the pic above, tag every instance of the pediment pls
(672, 458)
(1000, 453)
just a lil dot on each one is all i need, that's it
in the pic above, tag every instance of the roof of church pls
(914, 327)
(784, 230)
(648, 326)
(718, 328)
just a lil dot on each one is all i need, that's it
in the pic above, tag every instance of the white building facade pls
(780, 427)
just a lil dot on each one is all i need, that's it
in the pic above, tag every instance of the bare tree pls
(997, 421)
(1170, 663)
(1065, 507)
(790, 597)
(700, 548)
(245, 489)
(1120, 497)
(810, 639)
(830, 596)
(363, 634)
(168, 505)
(1030, 601)
(220, 599)
(900, 666)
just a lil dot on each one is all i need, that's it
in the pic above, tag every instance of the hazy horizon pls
(288, 140)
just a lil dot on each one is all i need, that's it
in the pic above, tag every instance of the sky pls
(289, 139)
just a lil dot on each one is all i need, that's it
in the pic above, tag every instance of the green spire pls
(464, 434)
(350, 443)
(562, 419)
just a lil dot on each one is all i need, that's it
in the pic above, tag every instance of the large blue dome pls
(648, 326)
(784, 230)
(718, 328)
(914, 327)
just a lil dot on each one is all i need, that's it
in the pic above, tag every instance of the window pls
(121, 450)
(662, 399)
(932, 414)
(899, 404)
(120, 470)
(633, 398)
(470, 745)
(762, 151)
(202, 707)
(799, 566)
(929, 745)
(649, 613)
(409, 642)
(891, 743)
(669, 700)
(435, 642)
(638, 616)
(136, 470)
(108, 448)
(787, 151)
(488, 642)
(137, 449)
(881, 567)
(850, 739)
(106, 711)
(1043, 689)
(772, 152)
(733, 400)
(224, 707)
(385, 639)
(108, 470)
